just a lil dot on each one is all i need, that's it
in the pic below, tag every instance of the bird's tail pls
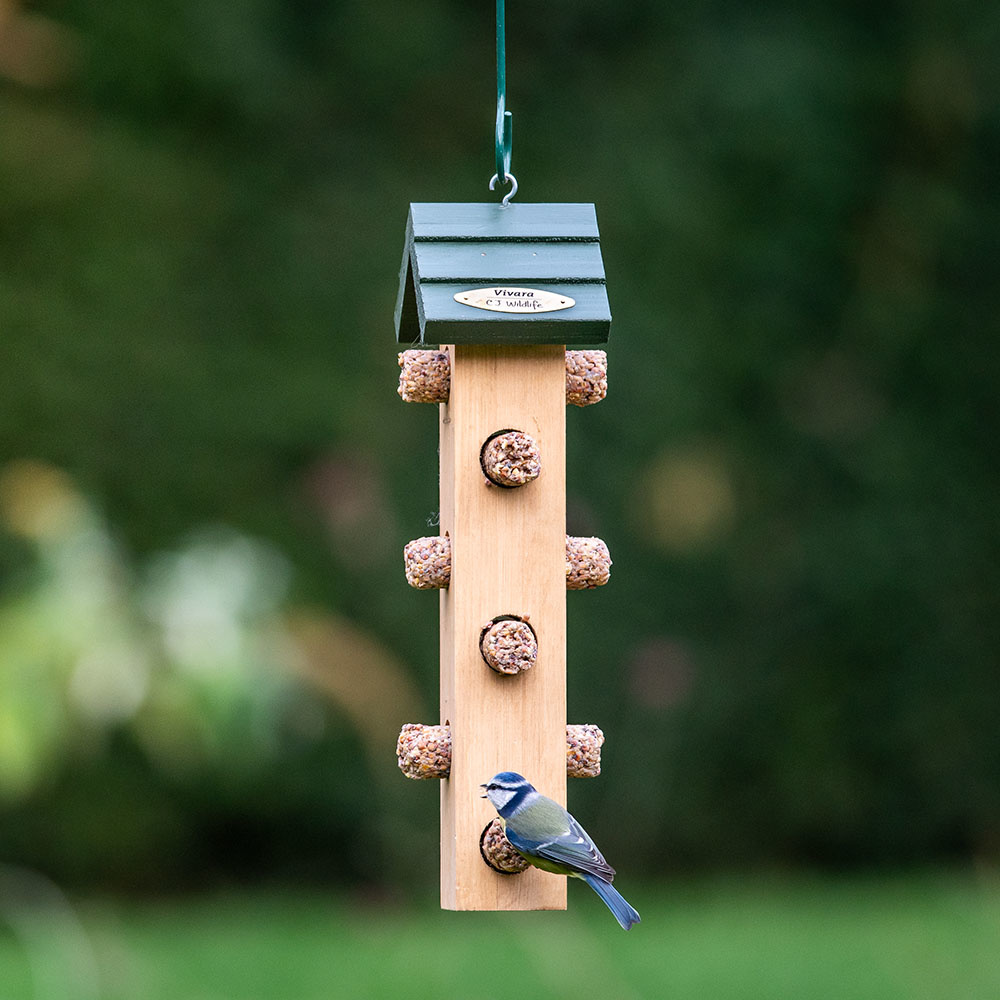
(614, 900)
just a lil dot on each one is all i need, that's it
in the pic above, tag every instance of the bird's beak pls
(484, 795)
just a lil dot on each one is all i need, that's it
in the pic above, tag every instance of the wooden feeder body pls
(508, 546)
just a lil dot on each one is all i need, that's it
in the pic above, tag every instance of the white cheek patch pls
(501, 796)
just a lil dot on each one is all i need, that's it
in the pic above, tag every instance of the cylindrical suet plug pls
(497, 852)
(508, 644)
(510, 459)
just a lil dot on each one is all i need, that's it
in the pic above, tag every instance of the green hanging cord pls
(504, 118)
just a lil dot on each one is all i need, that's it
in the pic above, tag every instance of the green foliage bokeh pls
(201, 218)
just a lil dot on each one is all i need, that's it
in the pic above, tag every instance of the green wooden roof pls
(454, 248)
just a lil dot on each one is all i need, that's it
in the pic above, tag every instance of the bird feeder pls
(490, 295)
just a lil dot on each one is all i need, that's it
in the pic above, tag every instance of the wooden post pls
(508, 557)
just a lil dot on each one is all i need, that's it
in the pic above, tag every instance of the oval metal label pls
(523, 301)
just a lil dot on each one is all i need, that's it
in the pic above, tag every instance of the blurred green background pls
(207, 645)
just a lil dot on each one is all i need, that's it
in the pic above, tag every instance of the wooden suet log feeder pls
(499, 291)
(427, 562)
(424, 752)
(425, 376)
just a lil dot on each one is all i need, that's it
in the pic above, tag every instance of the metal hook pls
(503, 140)
(505, 201)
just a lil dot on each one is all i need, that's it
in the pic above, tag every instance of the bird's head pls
(506, 791)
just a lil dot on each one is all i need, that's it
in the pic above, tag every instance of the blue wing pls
(571, 848)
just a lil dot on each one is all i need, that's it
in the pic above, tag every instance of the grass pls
(930, 936)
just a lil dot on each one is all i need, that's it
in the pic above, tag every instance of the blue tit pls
(545, 835)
